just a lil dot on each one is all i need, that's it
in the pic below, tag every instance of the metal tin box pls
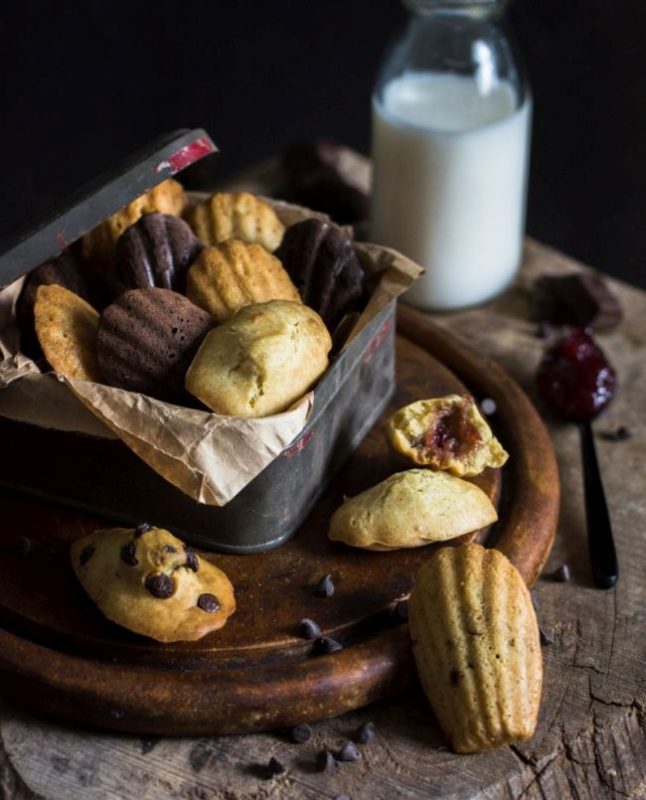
(104, 476)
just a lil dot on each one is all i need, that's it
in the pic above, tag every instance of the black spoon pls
(576, 381)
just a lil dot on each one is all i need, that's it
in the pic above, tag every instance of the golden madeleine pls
(67, 328)
(233, 274)
(259, 362)
(411, 509)
(148, 581)
(237, 215)
(167, 197)
(477, 649)
(447, 433)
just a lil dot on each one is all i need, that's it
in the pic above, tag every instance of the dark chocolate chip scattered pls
(191, 560)
(275, 767)
(168, 548)
(22, 546)
(562, 574)
(366, 732)
(325, 645)
(545, 330)
(325, 761)
(488, 406)
(148, 743)
(301, 733)
(619, 434)
(86, 554)
(160, 586)
(325, 587)
(208, 602)
(142, 528)
(401, 611)
(116, 713)
(128, 554)
(349, 752)
(309, 629)
(546, 640)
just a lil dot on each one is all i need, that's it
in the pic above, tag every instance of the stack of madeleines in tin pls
(473, 627)
(216, 301)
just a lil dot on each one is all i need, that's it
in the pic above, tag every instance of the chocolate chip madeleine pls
(150, 582)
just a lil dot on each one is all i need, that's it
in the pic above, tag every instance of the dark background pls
(84, 83)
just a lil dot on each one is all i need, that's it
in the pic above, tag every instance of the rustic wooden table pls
(591, 739)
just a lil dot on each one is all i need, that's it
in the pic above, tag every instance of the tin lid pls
(51, 233)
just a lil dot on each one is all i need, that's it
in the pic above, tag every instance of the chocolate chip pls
(366, 732)
(168, 548)
(619, 434)
(309, 629)
(191, 560)
(274, 768)
(160, 586)
(301, 733)
(545, 330)
(546, 640)
(208, 602)
(562, 574)
(128, 554)
(401, 611)
(142, 528)
(325, 761)
(325, 645)
(325, 587)
(488, 406)
(22, 546)
(86, 554)
(349, 752)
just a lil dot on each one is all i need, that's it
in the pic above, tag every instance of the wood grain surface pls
(591, 740)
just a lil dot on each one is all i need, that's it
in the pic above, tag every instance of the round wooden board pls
(59, 656)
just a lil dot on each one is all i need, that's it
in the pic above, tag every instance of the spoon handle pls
(603, 558)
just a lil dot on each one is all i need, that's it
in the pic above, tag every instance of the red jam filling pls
(451, 434)
(575, 379)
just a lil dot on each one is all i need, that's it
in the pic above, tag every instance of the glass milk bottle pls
(451, 120)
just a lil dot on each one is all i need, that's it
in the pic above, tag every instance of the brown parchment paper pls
(208, 456)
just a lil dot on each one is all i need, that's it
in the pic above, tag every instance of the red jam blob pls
(451, 433)
(575, 379)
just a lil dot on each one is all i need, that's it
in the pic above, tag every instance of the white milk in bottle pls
(450, 153)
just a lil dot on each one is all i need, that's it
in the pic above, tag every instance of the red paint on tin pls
(376, 342)
(301, 444)
(186, 156)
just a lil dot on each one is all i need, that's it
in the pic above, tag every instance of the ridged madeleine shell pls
(321, 261)
(234, 274)
(476, 645)
(236, 216)
(67, 328)
(154, 252)
(147, 339)
(167, 197)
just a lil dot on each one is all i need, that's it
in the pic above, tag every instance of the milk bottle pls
(451, 119)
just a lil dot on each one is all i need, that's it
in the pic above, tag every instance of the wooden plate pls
(60, 657)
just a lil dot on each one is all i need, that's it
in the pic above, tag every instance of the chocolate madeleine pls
(147, 340)
(322, 263)
(155, 252)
